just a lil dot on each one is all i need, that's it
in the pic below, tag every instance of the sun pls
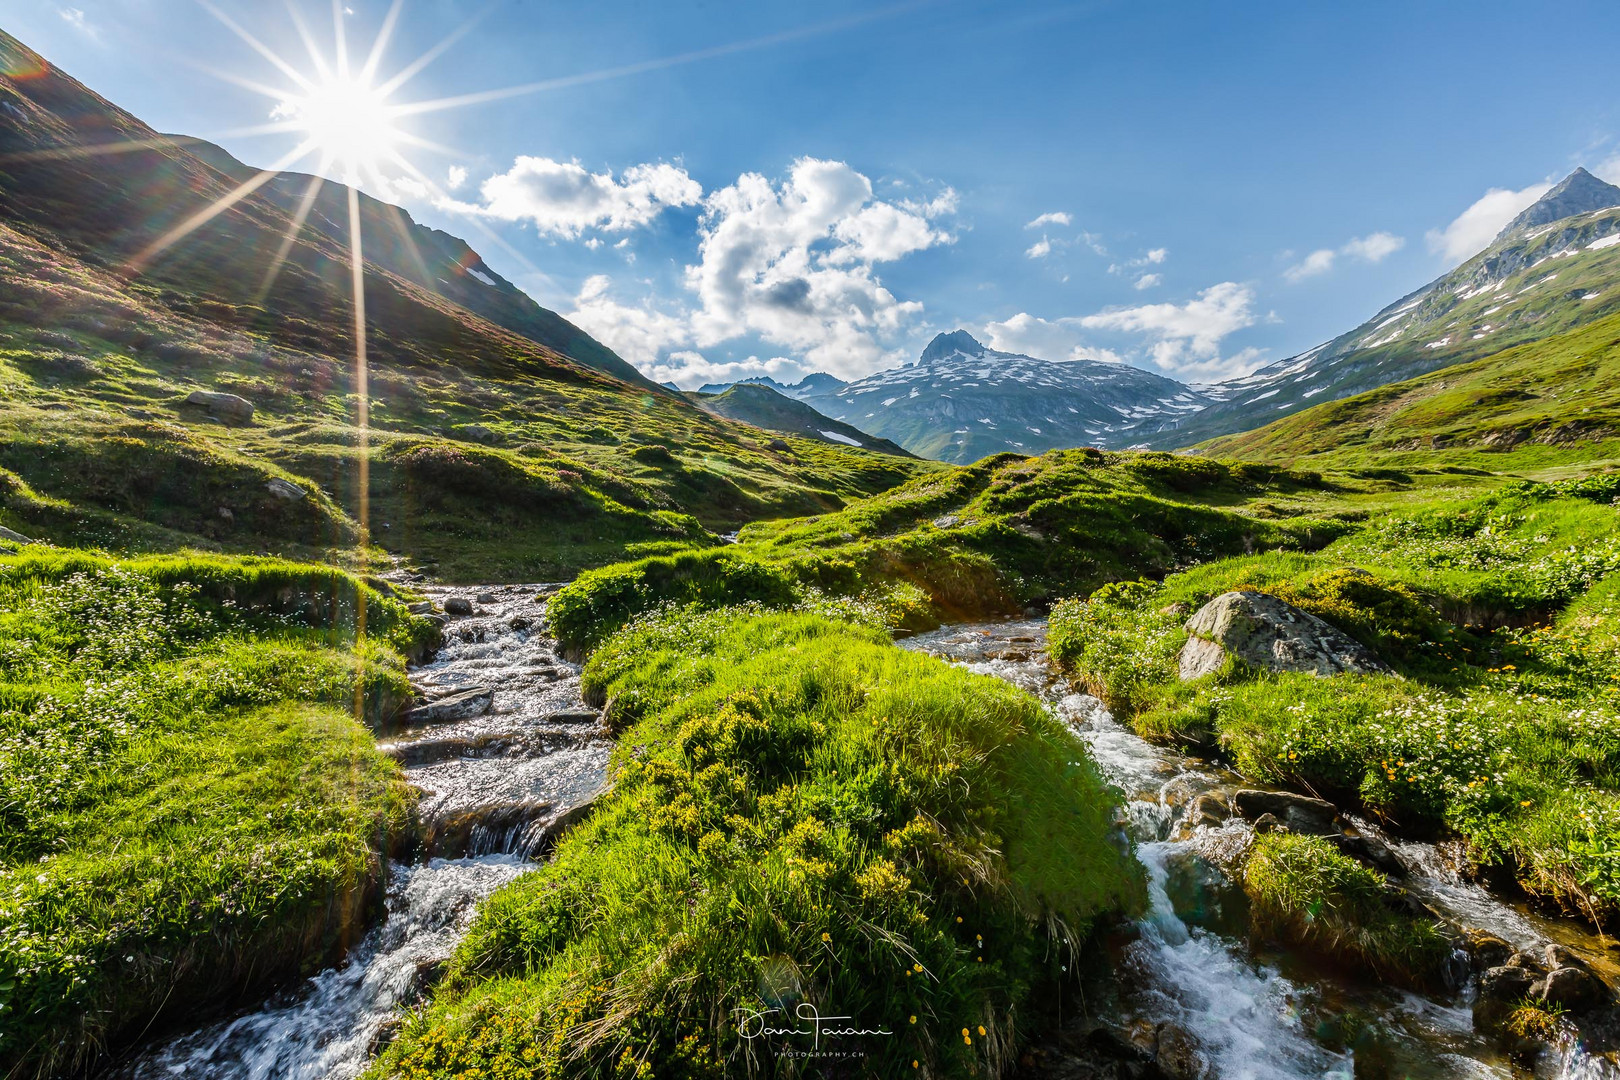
(347, 121)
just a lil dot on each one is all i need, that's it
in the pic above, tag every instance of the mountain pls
(1542, 404)
(757, 403)
(814, 384)
(1554, 268)
(962, 400)
(158, 395)
(430, 258)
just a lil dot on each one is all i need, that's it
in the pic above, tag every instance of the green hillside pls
(757, 404)
(486, 454)
(1545, 404)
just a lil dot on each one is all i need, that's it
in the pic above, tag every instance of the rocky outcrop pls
(1269, 633)
(458, 706)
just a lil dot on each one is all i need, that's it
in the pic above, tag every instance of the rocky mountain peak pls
(1578, 193)
(945, 345)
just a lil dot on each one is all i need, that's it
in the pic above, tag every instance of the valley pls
(397, 682)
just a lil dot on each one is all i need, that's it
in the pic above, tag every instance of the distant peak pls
(1578, 193)
(957, 341)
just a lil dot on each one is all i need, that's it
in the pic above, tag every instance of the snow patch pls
(839, 437)
(481, 276)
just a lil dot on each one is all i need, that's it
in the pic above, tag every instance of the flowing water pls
(496, 788)
(499, 785)
(1250, 1014)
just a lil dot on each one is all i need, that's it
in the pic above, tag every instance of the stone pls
(225, 406)
(1268, 823)
(1527, 962)
(485, 598)
(12, 537)
(1572, 988)
(1269, 633)
(571, 716)
(1374, 853)
(1179, 1056)
(778, 444)
(421, 607)
(519, 622)
(1488, 949)
(1500, 991)
(458, 605)
(1314, 817)
(282, 489)
(948, 521)
(1208, 809)
(462, 705)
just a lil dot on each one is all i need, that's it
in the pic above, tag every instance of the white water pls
(1249, 1020)
(325, 1028)
(494, 789)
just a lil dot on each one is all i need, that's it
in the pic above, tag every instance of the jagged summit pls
(1578, 193)
(945, 345)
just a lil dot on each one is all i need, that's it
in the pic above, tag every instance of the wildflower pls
(981, 1029)
(913, 1018)
(826, 937)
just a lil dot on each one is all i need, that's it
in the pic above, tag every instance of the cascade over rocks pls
(1269, 633)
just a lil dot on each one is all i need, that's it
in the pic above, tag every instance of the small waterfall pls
(497, 787)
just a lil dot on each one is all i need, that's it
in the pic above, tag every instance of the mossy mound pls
(1306, 893)
(802, 815)
(194, 806)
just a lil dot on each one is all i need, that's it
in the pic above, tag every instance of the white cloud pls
(1473, 229)
(1186, 338)
(1608, 169)
(1154, 257)
(1373, 248)
(1051, 217)
(1317, 262)
(792, 264)
(1059, 339)
(1040, 249)
(564, 199)
(1157, 255)
(1148, 281)
(75, 18)
(455, 177)
(639, 334)
(690, 370)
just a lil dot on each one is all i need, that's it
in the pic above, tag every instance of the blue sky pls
(1194, 188)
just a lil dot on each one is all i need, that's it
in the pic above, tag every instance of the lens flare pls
(347, 121)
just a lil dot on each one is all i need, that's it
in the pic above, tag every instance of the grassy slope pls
(989, 538)
(1542, 405)
(759, 405)
(1509, 736)
(492, 456)
(191, 811)
(801, 812)
(1542, 294)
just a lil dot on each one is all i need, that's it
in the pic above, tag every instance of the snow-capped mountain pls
(962, 400)
(1554, 267)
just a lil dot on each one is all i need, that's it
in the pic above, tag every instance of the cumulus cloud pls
(1057, 339)
(1185, 339)
(1051, 217)
(792, 264)
(1473, 229)
(1040, 249)
(1157, 255)
(562, 198)
(690, 370)
(1372, 248)
(1154, 257)
(795, 264)
(639, 333)
(455, 177)
(1148, 281)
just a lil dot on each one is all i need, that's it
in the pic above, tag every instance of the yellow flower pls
(981, 1029)
(914, 1019)
(964, 1033)
(916, 967)
(826, 937)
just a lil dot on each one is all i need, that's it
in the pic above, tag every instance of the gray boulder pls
(1266, 632)
(10, 537)
(282, 489)
(225, 406)
(458, 605)
(458, 706)
(1312, 817)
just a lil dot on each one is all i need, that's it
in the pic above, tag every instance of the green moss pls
(801, 813)
(1303, 891)
(194, 806)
